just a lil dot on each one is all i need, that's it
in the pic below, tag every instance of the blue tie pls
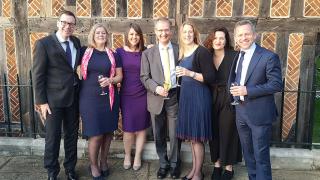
(239, 69)
(68, 53)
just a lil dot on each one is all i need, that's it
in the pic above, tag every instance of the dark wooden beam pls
(147, 9)
(121, 8)
(209, 8)
(262, 24)
(172, 9)
(71, 2)
(95, 8)
(296, 9)
(23, 55)
(237, 8)
(264, 7)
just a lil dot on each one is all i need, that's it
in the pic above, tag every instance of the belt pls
(172, 90)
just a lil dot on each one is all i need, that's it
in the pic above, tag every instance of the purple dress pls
(133, 95)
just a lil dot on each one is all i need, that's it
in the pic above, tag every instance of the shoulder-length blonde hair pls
(196, 38)
(91, 42)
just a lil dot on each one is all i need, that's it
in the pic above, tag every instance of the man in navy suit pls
(56, 86)
(257, 72)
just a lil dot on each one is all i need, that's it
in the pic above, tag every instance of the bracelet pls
(194, 75)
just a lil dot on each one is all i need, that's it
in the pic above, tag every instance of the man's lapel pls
(58, 46)
(157, 61)
(254, 61)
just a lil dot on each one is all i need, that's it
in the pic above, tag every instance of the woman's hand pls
(181, 71)
(104, 82)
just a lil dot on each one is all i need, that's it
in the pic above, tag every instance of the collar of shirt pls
(60, 39)
(64, 46)
(161, 46)
(245, 64)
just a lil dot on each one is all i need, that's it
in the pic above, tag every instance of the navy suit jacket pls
(263, 79)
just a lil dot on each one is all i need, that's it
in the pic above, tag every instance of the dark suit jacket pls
(151, 75)
(53, 78)
(263, 79)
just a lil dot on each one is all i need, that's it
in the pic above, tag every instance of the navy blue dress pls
(95, 112)
(195, 107)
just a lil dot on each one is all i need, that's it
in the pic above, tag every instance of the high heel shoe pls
(95, 177)
(227, 175)
(186, 178)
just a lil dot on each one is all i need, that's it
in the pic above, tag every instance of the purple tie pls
(239, 69)
(68, 53)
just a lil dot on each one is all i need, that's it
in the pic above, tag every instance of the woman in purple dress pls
(133, 97)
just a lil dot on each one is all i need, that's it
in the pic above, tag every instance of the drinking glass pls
(235, 101)
(102, 88)
(166, 87)
(178, 77)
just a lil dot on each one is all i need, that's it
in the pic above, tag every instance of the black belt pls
(172, 90)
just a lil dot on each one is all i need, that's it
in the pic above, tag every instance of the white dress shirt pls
(245, 64)
(64, 46)
(172, 62)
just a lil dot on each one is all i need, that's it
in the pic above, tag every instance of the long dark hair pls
(138, 30)
(208, 42)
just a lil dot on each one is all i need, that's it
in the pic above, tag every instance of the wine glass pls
(178, 77)
(102, 88)
(235, 98)
(166, 88)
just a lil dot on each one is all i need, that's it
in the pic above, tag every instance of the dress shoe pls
(216, 173)
(175, 173)
(227, 175)
(162, 173)
(52, 178)
(71, 176)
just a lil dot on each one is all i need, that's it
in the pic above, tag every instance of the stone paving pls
(31, 168)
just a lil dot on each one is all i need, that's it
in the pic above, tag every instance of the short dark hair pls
(138, 30)
(69, 13)
(208, 42)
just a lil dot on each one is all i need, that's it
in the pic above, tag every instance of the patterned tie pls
(239, 69)
(166, 68)
(68, 53)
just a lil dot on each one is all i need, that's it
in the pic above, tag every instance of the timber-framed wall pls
(291, 28)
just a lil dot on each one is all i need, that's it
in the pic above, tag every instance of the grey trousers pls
(161, 124)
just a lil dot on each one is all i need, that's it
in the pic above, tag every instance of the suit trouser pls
(69, 116)
(255, 142)
(162, 122)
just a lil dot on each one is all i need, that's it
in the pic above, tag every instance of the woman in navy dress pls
(195, 102)
(99, 112)
(133, 95)
(225, 148)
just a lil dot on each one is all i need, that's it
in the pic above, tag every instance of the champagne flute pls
(102, 88)
(178, 77)
(235, 99)
(166, 88)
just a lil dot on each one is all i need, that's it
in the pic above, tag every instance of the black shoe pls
(186, 178)
(162, 173)
(71, 176)
(52, 178)
(105, 173)
(227, 175)
(175, 173)
(216, 173)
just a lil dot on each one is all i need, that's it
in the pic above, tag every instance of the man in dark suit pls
(158, 76)
(56, 92)
(257, 72)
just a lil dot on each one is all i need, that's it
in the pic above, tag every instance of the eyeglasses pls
(64, 23)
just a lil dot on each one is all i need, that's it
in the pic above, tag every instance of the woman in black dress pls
(99, 98)
(225, 147)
